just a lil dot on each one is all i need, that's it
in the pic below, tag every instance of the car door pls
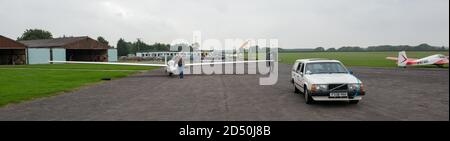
(297, 75)
(301, 74)
(294, 70)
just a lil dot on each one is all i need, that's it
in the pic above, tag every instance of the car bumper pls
(325, 96)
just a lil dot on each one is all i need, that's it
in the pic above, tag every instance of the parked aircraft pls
(403, 61)
(170, 66)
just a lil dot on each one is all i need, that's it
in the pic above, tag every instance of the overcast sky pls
(296, 23)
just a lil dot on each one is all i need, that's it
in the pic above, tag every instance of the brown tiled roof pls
(57, 42)
(7, 43)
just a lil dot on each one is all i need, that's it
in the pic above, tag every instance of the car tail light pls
(361, 87)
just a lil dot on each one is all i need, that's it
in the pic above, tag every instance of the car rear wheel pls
(308, 98)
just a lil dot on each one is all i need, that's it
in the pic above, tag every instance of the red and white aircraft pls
(403, 61)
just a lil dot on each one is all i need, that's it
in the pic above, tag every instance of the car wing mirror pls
(351, 72)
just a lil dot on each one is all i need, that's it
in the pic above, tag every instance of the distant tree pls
(122, 47)
(179, 47)
(102, 40)
(139, 46)
(421, 47)
(319, 49)
(162, 47)
(350, 49)
(35, 34)
(424, 47)
(331, 49)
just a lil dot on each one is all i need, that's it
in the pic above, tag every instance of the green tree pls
(138, 46)
(350, 49)
(122, 47)
(35, 34)
(331, 49)
(319, 49)
(102, 40)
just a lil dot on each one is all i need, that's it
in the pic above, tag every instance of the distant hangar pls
(12, 52)
(58, 49)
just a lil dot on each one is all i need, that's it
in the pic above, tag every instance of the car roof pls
(317, 60)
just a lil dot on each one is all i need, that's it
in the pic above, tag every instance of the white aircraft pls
(170, 66)
(403, 61)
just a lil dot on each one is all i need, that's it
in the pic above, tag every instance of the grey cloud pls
(296, 23)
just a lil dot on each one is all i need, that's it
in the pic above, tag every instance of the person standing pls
(269, 56)
(180, 63)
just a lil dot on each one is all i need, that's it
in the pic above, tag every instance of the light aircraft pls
(403, 61)
(170, 66)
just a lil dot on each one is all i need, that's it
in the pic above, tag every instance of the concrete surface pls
(392, 94)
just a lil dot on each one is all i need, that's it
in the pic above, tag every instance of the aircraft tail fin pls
(402, 59)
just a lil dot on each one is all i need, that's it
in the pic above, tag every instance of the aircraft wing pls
(395, 58)
(220, 63)
(392, 58)
(109, 63)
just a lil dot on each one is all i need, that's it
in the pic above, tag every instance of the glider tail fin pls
(402, 59)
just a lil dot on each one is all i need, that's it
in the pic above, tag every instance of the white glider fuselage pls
(171, 67)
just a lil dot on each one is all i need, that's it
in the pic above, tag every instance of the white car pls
(326, 80)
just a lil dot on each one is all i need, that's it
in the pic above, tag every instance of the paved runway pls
(392, 94)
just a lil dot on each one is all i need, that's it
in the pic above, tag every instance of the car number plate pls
(337, 95)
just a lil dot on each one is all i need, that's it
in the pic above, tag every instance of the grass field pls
(366, 59)
(21, 83)
(79, 66)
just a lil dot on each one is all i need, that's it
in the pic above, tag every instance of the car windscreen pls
(325, 67)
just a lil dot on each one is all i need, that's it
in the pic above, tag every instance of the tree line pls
(124, 48)
(39, 34)
(421, 47)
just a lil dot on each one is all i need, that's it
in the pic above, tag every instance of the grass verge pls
(27, 82)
